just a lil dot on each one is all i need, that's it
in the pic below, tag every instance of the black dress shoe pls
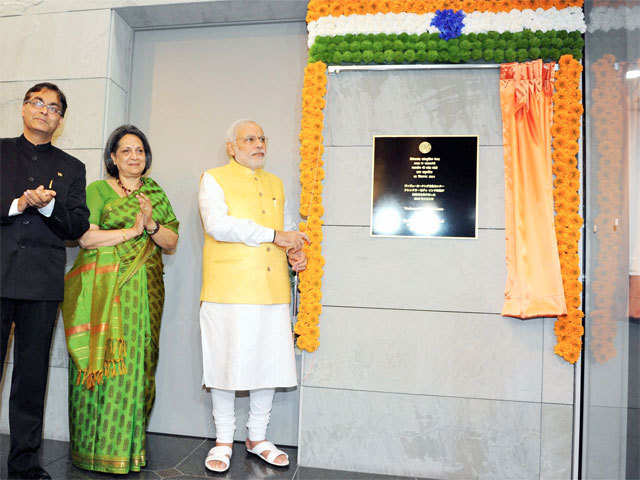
(35, 472)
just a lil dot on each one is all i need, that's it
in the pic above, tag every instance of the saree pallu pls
(107, 421)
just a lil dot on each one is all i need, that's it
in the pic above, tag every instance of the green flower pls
(510, 55)
(409, 56)
(398, 56)
(476, 54)
(388, 56)
(421, 56)
(367, 56)
(336, 59)
(366, 45)
(488, 54)
(378, 46)
(432, 56)
(378, 57)
(522, 54)
(535, 52)
(498, 55)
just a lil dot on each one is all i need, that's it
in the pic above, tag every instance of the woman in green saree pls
(114, 296)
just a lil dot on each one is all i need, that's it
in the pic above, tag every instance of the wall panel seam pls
(410, 309)
(487, 399)
(53, 12)
(35, 80)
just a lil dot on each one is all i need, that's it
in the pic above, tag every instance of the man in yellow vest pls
(247, 342)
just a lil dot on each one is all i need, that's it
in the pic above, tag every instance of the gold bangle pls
(124, 237)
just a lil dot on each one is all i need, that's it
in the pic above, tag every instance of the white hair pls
(233, 128)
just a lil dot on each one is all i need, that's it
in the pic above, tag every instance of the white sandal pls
(274, 453)
(222, 454)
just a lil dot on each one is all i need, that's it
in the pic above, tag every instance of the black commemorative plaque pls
(425, 186)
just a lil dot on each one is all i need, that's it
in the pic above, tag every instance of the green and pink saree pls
(112, 309)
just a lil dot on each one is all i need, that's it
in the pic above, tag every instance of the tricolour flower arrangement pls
(402, 32)
(445, 31)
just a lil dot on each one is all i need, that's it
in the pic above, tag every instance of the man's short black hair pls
(48, 86)
(112, 146)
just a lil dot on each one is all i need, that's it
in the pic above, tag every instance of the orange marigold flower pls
(316, 210)
(336, 9)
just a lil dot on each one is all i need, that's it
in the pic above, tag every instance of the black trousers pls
(34, 322)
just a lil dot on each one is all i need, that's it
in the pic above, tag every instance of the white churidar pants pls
(260, 402)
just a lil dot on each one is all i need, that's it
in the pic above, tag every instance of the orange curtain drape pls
(534, 282)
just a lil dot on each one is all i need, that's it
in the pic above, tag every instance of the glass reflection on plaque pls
(425, 186)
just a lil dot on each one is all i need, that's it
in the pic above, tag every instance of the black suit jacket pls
(32, 249)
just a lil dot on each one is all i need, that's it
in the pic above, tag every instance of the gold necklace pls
(126, 190)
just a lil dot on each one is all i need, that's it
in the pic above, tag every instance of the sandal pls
(273, 453)
(220, 454)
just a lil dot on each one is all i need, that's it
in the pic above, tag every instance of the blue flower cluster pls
(449, 23)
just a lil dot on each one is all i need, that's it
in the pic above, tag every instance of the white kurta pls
(244, 347)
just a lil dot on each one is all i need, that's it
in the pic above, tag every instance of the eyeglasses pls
(252, 140)
(38, 104)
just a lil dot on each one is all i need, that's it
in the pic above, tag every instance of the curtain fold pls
(534, 281)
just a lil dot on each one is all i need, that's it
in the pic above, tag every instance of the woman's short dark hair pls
(38, 87)
(112, 146)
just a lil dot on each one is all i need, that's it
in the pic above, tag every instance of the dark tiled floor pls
(173, 457)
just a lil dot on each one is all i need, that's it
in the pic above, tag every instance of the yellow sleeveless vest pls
(233, 272)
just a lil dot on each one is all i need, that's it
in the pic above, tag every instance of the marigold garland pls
(567, 112)
(607, 112)
(311, 175)
(335, 8)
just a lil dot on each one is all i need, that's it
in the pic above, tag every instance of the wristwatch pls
(154, 231)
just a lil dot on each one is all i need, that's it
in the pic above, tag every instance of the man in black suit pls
(42, 204)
